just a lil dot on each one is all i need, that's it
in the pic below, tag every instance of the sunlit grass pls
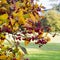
(50, 51)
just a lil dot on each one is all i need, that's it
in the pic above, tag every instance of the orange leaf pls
(33, 17)
(3, 57)
(26, 42)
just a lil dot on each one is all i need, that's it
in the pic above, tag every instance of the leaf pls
(3, 57)
(21, 18)
(14, 14)
(26, 16)
(16, 27)
(3, 17)
(36, 5)
(1, 22)
(41, 35)
(26, 42)
(4, 48)
(4, 1)
(1, 41)
(17, 4)
(12, 21)
(37, 16)
(23, 49)
(33, 17)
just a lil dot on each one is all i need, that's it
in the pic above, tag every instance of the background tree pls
(57, 7)
(53, 19)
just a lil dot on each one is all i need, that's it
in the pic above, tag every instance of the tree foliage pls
(21, 20)
(57, 7)
(53, 19)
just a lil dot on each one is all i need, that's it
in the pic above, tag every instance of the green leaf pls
(26, 16)
(23, 49)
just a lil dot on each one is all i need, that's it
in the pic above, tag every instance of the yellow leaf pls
(47, 39)
(17, 4)
(12, 21)
(8, 58)
(21, 17)
(20, 55)
(42, 11)
(16, 27)
(4, 16)
(14, 14)
(24, 1)
(3, 57)
(32, 17)
(37, 16)
(1, 22)
(27, 25)
(36, 5)
(16, 24)
(1, 41)
(4, 1)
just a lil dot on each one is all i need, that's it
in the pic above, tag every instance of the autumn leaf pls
(40, 36)
(3, 57)
(26, 42)
(32, 17)
(36, 5)
(4, 17)
(47, 39)
(1, 22)
(17, 4)
(4, 1)
(1, 41)
(37, 16)
(26, 16)
(12, 21)
(21, 18)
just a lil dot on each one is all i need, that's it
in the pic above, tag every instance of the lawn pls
(50, 51)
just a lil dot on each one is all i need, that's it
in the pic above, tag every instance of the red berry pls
(18, 38)
(37, 29)
(29, 39)
(38, 9)
(24, 39)
(26, 59)
(18, 34)
(14, 59)
(43, 41)
(6, 29)
(24, 32)
(32, 38)
(29, 28)
(30, 32)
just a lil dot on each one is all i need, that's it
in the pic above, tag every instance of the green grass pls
(50, 51)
